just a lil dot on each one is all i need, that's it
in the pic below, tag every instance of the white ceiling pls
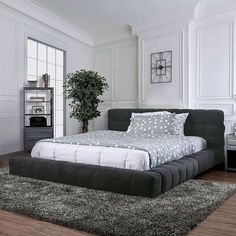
(109, 19)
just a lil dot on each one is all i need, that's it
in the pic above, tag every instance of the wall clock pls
(161, 67)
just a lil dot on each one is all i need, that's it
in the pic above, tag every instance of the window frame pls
(64, 74)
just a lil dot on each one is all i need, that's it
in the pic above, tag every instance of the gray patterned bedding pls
(161, 148)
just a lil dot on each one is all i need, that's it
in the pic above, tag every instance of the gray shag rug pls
(175, 212)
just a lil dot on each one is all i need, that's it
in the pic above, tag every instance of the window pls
(41, 59)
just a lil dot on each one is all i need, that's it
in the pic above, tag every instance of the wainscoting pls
(117, 62)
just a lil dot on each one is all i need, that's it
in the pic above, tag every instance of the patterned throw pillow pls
(150, 113)
(161, 124)
(178, 123)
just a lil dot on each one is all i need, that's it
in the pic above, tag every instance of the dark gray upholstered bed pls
(208, 124)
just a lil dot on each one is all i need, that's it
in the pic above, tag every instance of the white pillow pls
(150, 113)
(178, 123)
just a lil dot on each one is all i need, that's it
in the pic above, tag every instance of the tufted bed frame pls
(208, 124)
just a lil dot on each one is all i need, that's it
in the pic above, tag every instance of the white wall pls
(15, 27)
(172, 36)
(212, 59)
(203, 75)
(117, 62)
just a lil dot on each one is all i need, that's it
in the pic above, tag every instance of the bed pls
(134, 177)
(118, 149)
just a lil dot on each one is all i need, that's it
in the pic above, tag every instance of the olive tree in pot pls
(83, 88)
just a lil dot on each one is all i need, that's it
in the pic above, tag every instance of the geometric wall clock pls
(161, 67)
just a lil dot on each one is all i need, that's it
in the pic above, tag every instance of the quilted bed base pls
(143, 183)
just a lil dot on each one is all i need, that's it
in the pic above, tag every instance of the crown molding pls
(48, 18)
(156, 23)
(111, 39)
(206, 8)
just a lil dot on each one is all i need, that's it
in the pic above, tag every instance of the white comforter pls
(104, 156)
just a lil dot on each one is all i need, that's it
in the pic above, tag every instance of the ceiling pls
(107, 20)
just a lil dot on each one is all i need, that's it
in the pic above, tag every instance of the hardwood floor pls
(17, 225)
(220, 222)
(217, 175)
(223, 220)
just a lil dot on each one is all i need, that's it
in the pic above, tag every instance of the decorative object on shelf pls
(38, 121)
(84, 88)
(38, 115)
(37, 99)
(46, 80)
(161, 67)
(32, 83)
(38, 110)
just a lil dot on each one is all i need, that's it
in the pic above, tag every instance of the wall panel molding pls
(229, 26)
(179, 81)
(229, 126)
(121, 74)
(103, 64)
(212, 62)
(9, 82)
(228, 109)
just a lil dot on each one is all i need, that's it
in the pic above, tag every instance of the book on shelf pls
(37, 98)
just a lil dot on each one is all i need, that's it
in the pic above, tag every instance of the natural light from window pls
(41, 59)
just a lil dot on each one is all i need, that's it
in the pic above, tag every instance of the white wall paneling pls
(103, 64)
(228, 109)
(117, 62)
(9, 94)
(101, 122)
(125, 81)
(212, 59)
(14, 30)
(229, 126)
(172, 37)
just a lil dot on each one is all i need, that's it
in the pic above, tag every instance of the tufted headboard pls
(208, 124)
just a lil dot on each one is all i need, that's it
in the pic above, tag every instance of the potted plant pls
(83, 88)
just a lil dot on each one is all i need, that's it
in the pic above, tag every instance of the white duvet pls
(103, 156)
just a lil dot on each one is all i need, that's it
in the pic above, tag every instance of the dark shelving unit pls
(33, 133)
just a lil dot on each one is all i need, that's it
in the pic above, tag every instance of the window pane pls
(59, 102)
(59, 87)
(32, 49)
(42, 52)
(52, 83)
(32, 66)
(59, 58)
(47, 59)
(51, 55)
(59, 73)
(59, 117)
(42, 68)
(52, 71)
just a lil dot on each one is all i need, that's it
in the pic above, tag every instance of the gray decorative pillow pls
(161, 124)
(178, 123)
(149, 113)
